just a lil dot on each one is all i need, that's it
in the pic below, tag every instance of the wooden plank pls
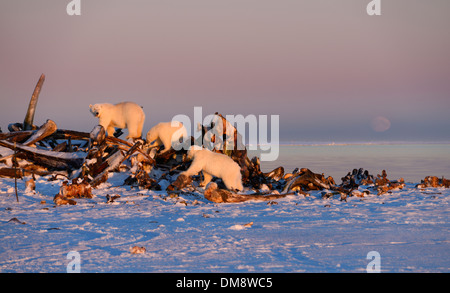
(50, 159)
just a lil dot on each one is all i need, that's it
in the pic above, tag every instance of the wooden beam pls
(50, 159)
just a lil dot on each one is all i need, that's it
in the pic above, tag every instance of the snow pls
(409, 228)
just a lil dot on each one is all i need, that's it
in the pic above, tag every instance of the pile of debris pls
(86, 159)
(48, 150)
(28, 150)
(75, 190)
(434, 181)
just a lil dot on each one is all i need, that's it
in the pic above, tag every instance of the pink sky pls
(326, 67)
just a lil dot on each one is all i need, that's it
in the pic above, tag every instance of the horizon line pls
(333, 143)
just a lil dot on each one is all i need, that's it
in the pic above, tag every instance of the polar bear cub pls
(122, 115)
(166, 133)
(214, 164)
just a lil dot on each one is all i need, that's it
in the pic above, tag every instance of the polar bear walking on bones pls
(122, 115)
(214, 164)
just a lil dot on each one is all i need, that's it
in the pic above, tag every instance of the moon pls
(380, 124)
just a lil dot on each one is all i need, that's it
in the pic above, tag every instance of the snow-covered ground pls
(408, 228)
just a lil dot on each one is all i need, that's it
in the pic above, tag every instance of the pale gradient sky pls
(325, 66)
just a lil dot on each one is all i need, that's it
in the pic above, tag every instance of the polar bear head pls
(95, 109)
(192, 151)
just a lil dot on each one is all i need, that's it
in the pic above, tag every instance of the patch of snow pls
(187, 233)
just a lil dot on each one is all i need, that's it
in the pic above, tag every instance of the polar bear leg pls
(155, 143)
(110, 130)
(167, 142)
(135, 128)
(234, 182)
(139, 130)
(133, 133)
(206, 178)
(106, 124)
(194, 169)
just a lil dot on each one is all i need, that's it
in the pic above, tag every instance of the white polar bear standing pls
(123, 115)
(166, 133)
(214, 164)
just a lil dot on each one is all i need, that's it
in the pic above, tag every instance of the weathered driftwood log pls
(97, 135)
(61, 147)
(275, 174)
(214, 194)
(66, 134)
(29, 117)
(445, 183)
(125, 145)
(11, 172)
(50, 159)
(29, 170)
(95, 158)
(68, 192)
(250, 169)
(357, 177)
(111, 198)
(56, 159)
(21, 136)
(382, 179)
(166, 158)
(47, 129)
(181, 182)
(76, 190)
(307, 180)
(383, 184)
(61, 200)
(351, 182)
(142, 179)
(13, 127)
(434, 181)
(16, 136)
(392, 185)
(113, 162)
(106, 154)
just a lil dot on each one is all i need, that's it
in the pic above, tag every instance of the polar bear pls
(214, 164)
(166, 133)
(123, 115)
